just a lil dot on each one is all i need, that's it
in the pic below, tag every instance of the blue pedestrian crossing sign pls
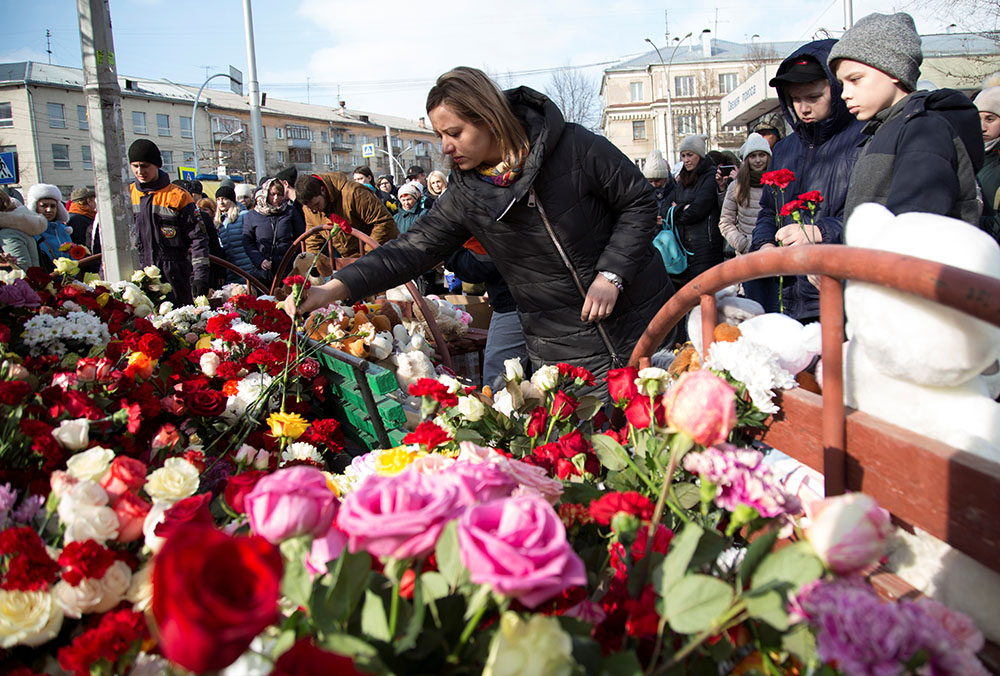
(186, 173)
(8, 169)
(368, 150)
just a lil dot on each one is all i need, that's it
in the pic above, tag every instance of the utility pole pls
(256, 129)
(388, 147)
(48, 44)
(119, 238)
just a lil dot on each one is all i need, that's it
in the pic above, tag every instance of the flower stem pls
(394, 610)
(470, 626)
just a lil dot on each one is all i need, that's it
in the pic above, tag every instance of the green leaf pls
(695, 602)
(800, 642)
(296, 585)
(347, 645)
(611, 454)
(286, 639)
(479, 599)
(448, 558)
(794, 565)
(434, 586)
(769, 607)
(581, 493)
(374, 622)
(416, 623)
(589, 406)
(688, 495)
(621, 664)
(338, 593)
(468, 434)
(756, 552)
(675, 565)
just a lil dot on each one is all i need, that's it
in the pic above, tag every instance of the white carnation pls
(301, 450)
(753, 365)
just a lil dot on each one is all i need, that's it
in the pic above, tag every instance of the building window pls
(188, 159)
(88, 160)
(138, 122)
(300, 155)
(281, 157)
(684, 85)
(81, 117)
(298, 132)
(635, 89)
(638, 130)
(168, 160)
(687, 124)
(56, 118)
(324, 136)
(327, 159)
(279, 133)
(728, 82)
(60, 156)
(162, 124)
(6, 115)
(185, 127)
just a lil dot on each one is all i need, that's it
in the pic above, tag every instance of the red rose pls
(637, 412)
(563, 405)
(237, 487)
(90, 369)
(212, 594)
(536, 424)
(193, 510)
(630, 502)
(14, 392)
(621, 384)
(305, 659)
(131, 511)
(206, 403)
(126, 475)
(4, 333)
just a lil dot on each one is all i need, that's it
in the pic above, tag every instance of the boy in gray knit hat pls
(933, 138)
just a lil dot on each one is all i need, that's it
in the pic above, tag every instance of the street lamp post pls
(670, 107)
(194, 119)
(394, 159)
(218, 153)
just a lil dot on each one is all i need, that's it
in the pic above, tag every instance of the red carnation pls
(325, 433)
(30, 568)
(791, 207)
(630, 502)
(4, 333)
(115, 637)
(428, 387)
(428, 434)
(87, 559)
(151, 345)
(14, 392)
(811, 196)
(781, 178)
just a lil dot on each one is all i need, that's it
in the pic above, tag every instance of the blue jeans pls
(505, 340)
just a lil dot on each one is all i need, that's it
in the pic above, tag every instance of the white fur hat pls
(41, 191)
(755, 143)
(656, 166)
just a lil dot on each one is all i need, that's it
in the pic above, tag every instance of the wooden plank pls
(951, 494)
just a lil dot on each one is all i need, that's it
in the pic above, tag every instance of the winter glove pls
(199, 288)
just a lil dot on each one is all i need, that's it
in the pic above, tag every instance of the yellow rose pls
(28, 618)
(392, 461)
(538, 647)
(290, 425)
(204, 343)
(67, 266)
(176, 480)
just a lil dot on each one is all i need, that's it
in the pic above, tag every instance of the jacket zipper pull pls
(531, 199)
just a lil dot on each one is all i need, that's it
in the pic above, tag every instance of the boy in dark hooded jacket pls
(820, 152)
(923, 148)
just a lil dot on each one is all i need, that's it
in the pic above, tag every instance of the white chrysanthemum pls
(301, 450)
(250, 389)
(755, 366)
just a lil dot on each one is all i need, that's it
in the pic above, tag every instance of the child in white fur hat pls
(47, 200)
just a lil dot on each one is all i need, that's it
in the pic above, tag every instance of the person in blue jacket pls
(46, 199)
(821, 152)
(922, 149)
(410, 207)
(229, 224)
(270, 228)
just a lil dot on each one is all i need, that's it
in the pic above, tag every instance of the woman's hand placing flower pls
(316, 297)
(600, 301)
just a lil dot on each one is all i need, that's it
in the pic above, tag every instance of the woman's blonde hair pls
(230, 214)
(474, 97)
(436, 174)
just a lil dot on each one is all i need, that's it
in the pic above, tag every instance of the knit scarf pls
(262, 206)
(755, 177)
(503, 174)
(83, 210)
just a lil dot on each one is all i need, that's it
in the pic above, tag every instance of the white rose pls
(28, 618)
(209, 364)
(154, 518)
(83, 494)
(78, 600)
(503, 403)
(471, 408)
(151, 271)
(73, 434)
(176, 480)
(165, 307)
(91, 464)
(513, 370)
(545, 378)
(140, 589)
(538, 647)
(113, 584)
(92, 523)
(449, 382)
(263, 460)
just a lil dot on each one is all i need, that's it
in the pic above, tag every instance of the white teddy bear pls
(918, 364)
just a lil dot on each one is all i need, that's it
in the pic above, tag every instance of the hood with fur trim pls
(41, 191)
(24, 220)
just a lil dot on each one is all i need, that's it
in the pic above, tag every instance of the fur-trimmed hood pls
(23, 220)
(41, 191)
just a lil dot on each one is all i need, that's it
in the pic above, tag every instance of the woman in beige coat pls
(742, 200)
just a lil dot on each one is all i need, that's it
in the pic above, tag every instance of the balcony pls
(299, 143)
(341, 147)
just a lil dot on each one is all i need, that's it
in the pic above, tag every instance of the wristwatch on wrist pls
(614, 279)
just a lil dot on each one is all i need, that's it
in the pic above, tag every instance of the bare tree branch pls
(576, 95)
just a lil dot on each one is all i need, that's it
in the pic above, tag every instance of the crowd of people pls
(555, 220)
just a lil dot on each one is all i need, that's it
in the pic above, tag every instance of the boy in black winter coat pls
(923, 148)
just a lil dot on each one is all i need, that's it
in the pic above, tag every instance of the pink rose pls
(91, 369)
(481, 481)
(518, 546)
(126, 475)
(290, 502)
(848, 531)
(703, 406)
(533, 479)
(131, 511)
(400, 516)
(325, 549)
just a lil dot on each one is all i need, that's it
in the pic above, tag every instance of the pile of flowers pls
(172, 496)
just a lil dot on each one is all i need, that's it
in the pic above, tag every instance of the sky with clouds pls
(383, 56)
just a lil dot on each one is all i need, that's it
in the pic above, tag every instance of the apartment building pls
(43, 118)
(719, 88)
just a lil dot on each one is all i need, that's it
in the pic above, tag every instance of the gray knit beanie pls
(754, 143)
(988, 100)
(888, 42)
(656, 166)
(695, 144)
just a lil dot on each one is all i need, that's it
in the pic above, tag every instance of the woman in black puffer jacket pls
(567, 219)
(270, 228)
(696, 213)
